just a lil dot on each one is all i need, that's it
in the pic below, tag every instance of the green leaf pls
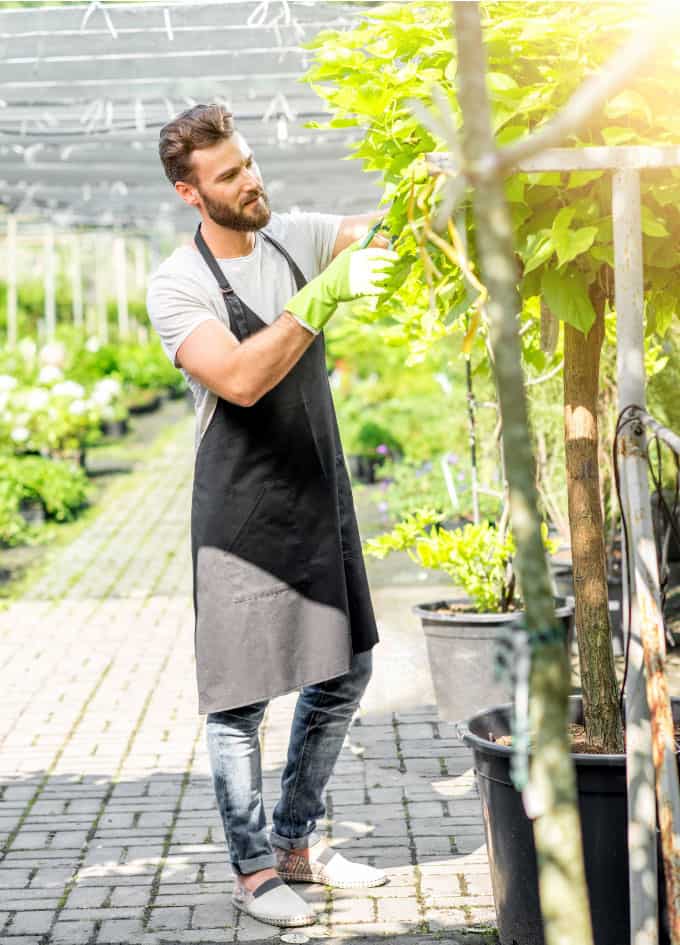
(603, 254)
(628, 104)
(581, 178)
(616, 135)
(514, 189)
(566, 295)
(572, 243)
(500, 81)
(539, 249)
(651, 226)
(562, 219)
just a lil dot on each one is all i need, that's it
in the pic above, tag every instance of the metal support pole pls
(140, 265)
(12, 281)
(647, 700)
(120, 269)
(76, 282)
(100, 287)
(50, 284)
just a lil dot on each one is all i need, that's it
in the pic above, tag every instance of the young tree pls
(561, 224)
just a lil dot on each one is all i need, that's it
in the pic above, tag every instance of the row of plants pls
(56, 402)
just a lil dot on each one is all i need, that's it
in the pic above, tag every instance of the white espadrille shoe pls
(274, 903)
(328, 867)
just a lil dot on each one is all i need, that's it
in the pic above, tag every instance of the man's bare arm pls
(243, 372)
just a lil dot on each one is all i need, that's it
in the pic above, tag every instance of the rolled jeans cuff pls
(255, 864)
(294, 843)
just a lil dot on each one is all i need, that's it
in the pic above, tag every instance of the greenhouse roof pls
(85, 88)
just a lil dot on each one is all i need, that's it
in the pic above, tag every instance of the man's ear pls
(188, 193)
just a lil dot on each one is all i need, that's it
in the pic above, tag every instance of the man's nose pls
(252, 175)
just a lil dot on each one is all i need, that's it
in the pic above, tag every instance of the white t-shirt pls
(183, 293)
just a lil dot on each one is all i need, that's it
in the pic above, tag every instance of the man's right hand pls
(352, 274)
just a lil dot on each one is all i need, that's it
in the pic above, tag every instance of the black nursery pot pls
(601, 783)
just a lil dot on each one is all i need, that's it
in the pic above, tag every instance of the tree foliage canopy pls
(538, 55)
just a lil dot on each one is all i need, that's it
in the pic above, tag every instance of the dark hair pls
(195, 128)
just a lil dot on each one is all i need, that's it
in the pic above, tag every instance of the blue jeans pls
(322, 717)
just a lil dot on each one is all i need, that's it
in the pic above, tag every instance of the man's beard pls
(251, 217)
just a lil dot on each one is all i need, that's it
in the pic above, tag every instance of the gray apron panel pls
(257, 637)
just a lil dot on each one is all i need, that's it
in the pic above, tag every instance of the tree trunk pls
(598, 677)
(551, 793)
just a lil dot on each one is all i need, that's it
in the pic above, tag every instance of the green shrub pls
(62, 487)
(13, 528)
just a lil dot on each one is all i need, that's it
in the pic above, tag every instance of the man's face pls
(230, 185)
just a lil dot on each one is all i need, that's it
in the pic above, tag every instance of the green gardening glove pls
(352, 274)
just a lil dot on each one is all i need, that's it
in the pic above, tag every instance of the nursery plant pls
(476, 558)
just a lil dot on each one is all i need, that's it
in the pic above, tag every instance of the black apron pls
(281, 597)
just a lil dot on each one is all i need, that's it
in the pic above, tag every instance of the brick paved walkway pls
(108, 824)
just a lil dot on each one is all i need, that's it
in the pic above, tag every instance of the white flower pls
(7, 382)
(20, 434)
(92, 344)
(54, 354)
(106, 390)
(68, 389)
(27, 349)
(37, 398)
(78, 407)
(49, 374)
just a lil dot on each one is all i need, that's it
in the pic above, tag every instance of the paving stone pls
(399, 910)
(214, 914)
(353, 910)
(250, 930)
(130, 896)
(120, 930)
(170, 918)
(72, 933)
(87, 897)
(14, 878)
(31, 922)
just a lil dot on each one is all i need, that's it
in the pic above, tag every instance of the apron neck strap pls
(300, 280)
(235, 312)
(212, 263)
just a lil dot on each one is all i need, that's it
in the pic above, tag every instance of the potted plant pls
(374, 443)
(460, 632)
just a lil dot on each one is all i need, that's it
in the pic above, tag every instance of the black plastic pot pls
(363, 468)
(601, 782)
(32, 511)
(147, 405)
(115, 428)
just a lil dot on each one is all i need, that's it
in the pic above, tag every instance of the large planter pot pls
(601, 783)
(460, 649)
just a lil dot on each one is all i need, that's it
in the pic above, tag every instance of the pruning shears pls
(366, 241)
